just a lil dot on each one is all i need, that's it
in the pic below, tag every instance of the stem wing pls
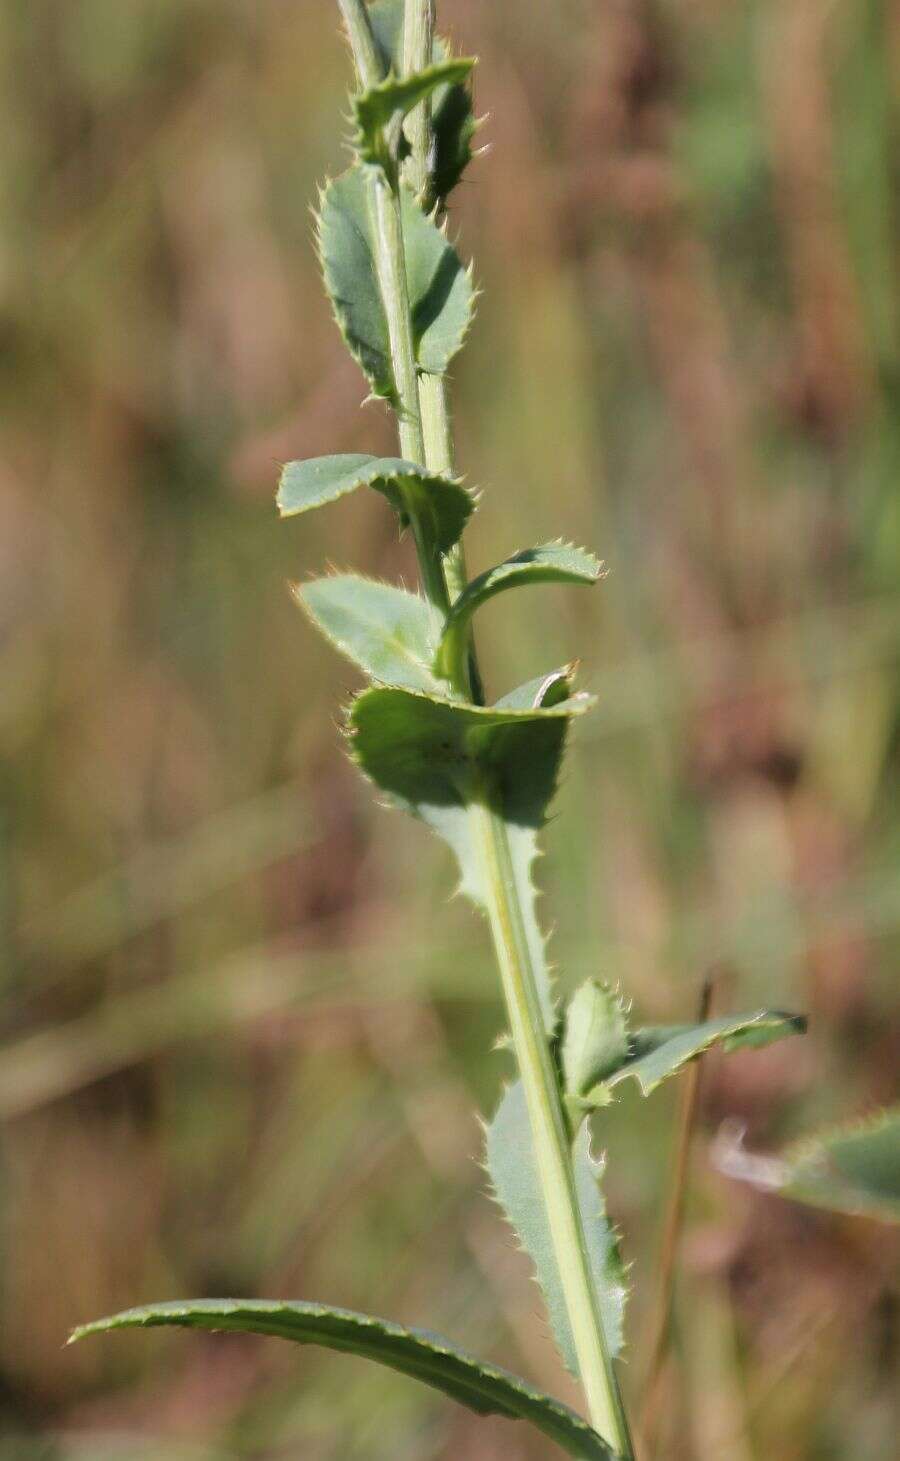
(512, 1170)
(434, 758)
(427, 1357)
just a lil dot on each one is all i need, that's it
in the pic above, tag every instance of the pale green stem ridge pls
(418, 48)
(390, 259)
(418, 45)
(550, 1135)
(425, 437)
(391, 262)
(362, 42)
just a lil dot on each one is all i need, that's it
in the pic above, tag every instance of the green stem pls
(436, 431)
(425, 437)
(390, 259)
(418, 46)
(362, 42)
(418, 50)
(391, 262)
(552, 1144)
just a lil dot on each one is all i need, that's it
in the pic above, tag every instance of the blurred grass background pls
(245, 1032)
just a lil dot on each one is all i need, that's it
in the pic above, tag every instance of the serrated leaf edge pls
(369, 476)
(387, 392)
(616, 1280)
(453, 71)
(482, 587)
(296, 591)
(805, 1146)
(629, 1068)
(577, 704)
(623, 1006)
(517, 1398)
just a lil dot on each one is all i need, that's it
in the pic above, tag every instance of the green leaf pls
(388, 632)
(386, 17)
(549, 689)
(511, 1167)
(432, 757)
(452, 117)
(374, 110)
(444, 505)
(441, 294)
(440, 289)
(453, 125)
(658, 1052)
(853, 1168)
(427, 1357)
(430, 753)
(550, 563)
(595, 1037)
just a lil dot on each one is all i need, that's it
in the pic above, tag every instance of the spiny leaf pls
(441, 294)
(513, 1172)
(453, 126)
(549, 563)
(427, 1357)
(452, 117)
(426, 752)
(443, 505)
(347, 256)
(440, 290)
(852, 1168)
(595, 1037)
(431, 756)
(388, 632)
(374, 110)
(547, 689)
(658, 1052)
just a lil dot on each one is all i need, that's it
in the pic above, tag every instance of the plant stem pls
(390, 259)
(418, 46)
(391, 262)
(418, 49)
(362, 42)
(433, 447)
(549, 1132)
(435, 417)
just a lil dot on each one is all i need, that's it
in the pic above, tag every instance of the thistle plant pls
(480, 774)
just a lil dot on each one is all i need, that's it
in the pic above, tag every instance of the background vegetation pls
(245, 1032)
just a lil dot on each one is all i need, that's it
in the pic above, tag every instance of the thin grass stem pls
(660, 1328)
